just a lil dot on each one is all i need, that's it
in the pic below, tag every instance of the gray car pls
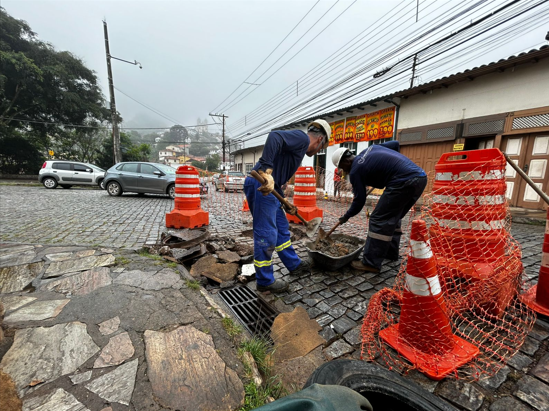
(141, 178)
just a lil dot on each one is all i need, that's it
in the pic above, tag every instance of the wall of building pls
(517, 88)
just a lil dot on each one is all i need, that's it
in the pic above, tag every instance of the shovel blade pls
(313, 226)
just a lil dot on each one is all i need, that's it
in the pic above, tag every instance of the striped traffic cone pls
(424, 334)
(537, 297)
(245, 206)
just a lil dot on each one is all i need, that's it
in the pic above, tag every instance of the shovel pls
(322, 234)
(311, 226)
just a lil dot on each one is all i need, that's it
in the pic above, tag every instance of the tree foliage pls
(45, 93)
(130, 151)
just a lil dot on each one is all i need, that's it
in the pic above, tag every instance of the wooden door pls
(531, 153)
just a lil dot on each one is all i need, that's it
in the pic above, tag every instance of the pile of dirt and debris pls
(216, 261)
(335, 248)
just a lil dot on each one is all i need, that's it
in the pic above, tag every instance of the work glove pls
(268, 186)
(343, 220)
(290, 209)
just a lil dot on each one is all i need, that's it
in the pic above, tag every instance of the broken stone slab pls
(58, 268)
(59, 256)
(338, 349)
(496, 380)
(462, 394)
(109, 326)
(186, 372)
(84, 253)
(209, 267)
(295, 334)
(541, 370)
(182, 254)
(17, 277)
(150, 280)
(17, 255)
(80, 378)
(533, 392)
(185, 238)
(228, 256)
(248, 359)
(117, 385)
(82, 283)
(118, 350)
(52, 351)
(40, 310)
(13, 302)
(59, 400)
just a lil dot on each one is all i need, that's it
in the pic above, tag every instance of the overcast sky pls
(195, 53)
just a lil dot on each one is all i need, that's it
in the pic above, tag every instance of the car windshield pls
(165, 169)
(95, 168)
(236, 174)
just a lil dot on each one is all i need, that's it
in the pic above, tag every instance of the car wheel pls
(49, 182)
(114, 189)
(171, 191)
(101, 184)
(67, 186)
(226, 190)
(384, 389)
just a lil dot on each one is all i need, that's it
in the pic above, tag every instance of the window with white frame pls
(249, 167)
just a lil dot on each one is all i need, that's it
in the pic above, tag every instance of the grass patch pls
(193, 285)
(145, 253)
(171, 264)
(230, 327)
(258, 396)
(259, 349)
(121, 260)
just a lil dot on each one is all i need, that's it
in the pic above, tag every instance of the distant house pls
(162, 154)
(175, 149)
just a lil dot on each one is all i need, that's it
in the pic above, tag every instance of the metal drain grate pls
(250, 309)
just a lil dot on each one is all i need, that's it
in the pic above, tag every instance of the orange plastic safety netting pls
(454, 309)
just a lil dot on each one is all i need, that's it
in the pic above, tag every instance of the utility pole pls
(413, 71)
(115, 131)
(223, 117)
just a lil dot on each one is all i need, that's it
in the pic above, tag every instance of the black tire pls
(226, 190)
(49, 182)
(171, 191)
(114, 189)
(100, 184)
(384, 389)
(67, 186)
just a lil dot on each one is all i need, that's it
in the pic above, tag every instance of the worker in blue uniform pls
(381, 166)
(282, 155)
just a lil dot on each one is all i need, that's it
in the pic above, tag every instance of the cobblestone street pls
(337, 300)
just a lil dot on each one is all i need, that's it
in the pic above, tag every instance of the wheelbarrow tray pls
(330, 263)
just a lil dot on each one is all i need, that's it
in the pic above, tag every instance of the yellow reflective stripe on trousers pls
(263, 263)
(283, 246)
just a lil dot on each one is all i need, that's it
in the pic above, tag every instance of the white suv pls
(69, 173)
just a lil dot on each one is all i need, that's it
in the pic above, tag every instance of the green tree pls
(198, 164)
(212, 163)
(19, 156)
(130, 151)
(51, 89)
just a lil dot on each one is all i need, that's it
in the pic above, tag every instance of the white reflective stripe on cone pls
(423, 286)
(305, 176)
(473, 225)
(187, 185)
(305, 184)
(420, 249)
(187, 195)
(468, 200)
(545, 260)
(303, 193)
(186, 176)
(470, 175)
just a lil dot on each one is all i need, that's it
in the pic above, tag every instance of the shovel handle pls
(332, 230)
(258, 177)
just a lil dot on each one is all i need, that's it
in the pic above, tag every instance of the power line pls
(291, 31)
(149, 108)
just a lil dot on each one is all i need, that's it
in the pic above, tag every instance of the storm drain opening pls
(255, 314)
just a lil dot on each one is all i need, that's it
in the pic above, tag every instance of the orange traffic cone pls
(537, 297)
(424, 334)
(245, 206)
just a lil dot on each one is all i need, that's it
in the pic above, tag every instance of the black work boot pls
(278, 286)
(303, 268)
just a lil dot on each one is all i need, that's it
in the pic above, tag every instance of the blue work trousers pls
(384, 231)
(271, 233)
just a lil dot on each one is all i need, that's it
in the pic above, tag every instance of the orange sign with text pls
(331, 141)
(386, 122)
(339, 131)
(372, 126)
(349, 129)
(360, 128)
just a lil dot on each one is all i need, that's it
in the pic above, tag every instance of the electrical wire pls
(147, 107)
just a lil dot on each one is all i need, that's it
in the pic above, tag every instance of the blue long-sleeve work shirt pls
(283, 153)
(379, 166)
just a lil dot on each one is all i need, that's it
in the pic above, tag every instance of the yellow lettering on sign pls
(459, 147)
